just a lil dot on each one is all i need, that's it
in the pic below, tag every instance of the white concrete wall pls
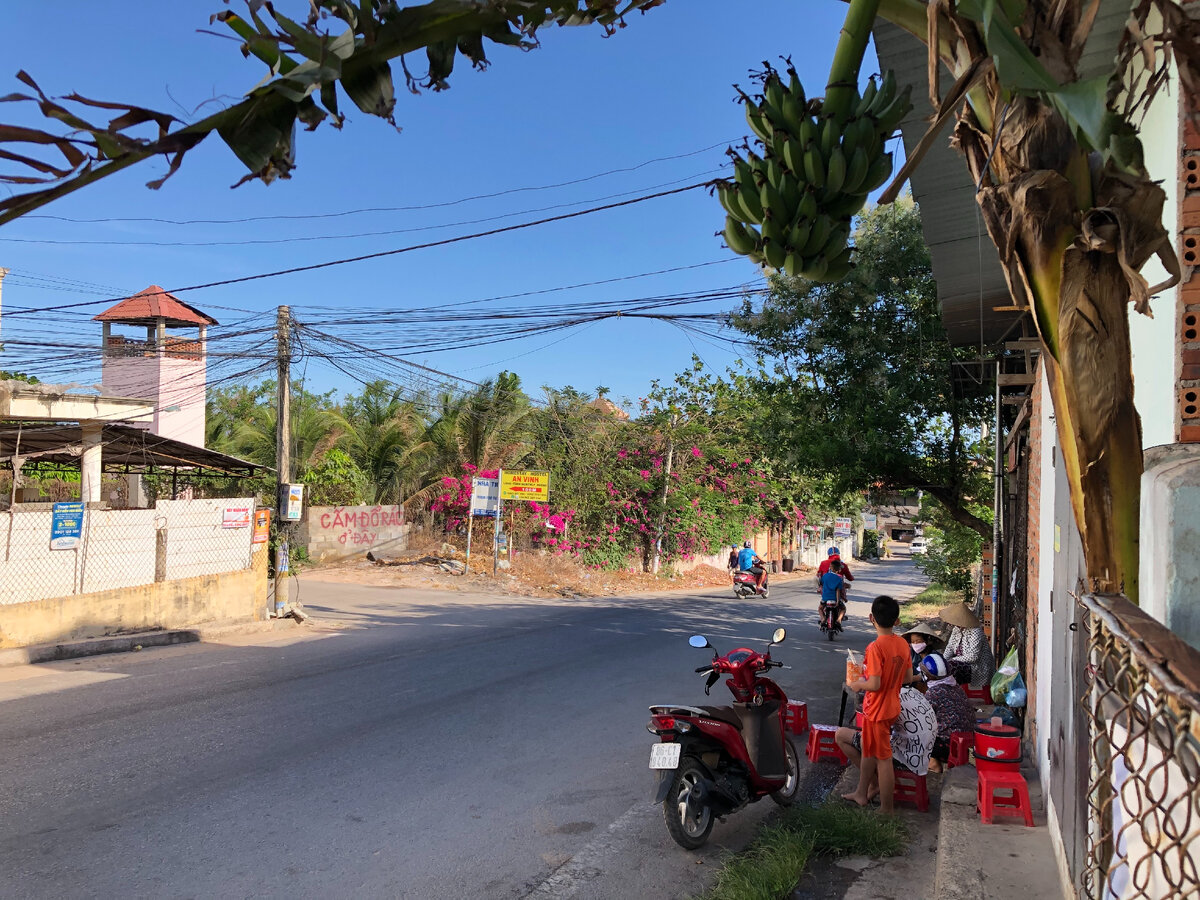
(1046, 557)
(180, 414)
(118, 548)
(1154, 340)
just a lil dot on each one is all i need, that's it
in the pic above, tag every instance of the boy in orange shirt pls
(886, 667)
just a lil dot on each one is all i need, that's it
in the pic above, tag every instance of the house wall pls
(1154, 368)
(175, 384)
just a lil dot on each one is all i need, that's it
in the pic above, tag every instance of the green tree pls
(859, 384)
(382, 431)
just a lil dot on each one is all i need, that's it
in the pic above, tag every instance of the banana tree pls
(1063, 191)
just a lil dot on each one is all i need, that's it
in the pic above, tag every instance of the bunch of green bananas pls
(790, 208)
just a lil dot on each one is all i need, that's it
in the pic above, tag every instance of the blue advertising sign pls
(66, 525)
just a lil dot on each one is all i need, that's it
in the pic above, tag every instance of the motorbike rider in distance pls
(833, 589)
(749, 561)
(831, 555)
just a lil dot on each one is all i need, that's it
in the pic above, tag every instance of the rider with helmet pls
(749, 561)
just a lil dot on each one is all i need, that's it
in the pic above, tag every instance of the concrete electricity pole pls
(283, 451)
(662, 522)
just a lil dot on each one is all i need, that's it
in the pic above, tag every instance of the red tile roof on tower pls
(155, 303)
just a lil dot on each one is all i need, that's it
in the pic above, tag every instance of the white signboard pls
(293, 500)
(842, 527)
(870, 522)
(485, 496)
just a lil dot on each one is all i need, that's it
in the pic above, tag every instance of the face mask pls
(920, 647)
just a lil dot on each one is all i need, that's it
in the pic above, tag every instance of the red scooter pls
(745, 585)
(713, 760)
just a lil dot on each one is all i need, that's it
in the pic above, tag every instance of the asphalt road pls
(410, 744)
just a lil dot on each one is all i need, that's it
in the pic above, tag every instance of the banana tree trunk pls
(1071, 239)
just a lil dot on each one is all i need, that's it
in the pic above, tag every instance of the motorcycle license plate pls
(665, 756)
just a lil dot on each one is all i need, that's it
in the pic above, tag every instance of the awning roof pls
(125, 449)
(966, 266)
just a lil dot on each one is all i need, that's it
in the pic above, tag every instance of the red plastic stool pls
(979, 695)
(796, 717)
(911, 788)
(1013, 801)
(858, 720)
(961, 743)
(821, 744)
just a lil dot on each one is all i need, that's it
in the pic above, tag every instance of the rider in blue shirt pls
(748, 562)
(832, 584)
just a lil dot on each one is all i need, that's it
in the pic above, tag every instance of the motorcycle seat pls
(726, 714)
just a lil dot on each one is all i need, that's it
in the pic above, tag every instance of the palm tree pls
(381, 429)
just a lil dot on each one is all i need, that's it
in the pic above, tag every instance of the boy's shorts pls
(877, 738)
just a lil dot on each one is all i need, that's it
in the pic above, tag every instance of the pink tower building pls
(157, 365)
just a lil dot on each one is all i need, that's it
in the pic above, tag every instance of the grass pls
(926, 605)
(771, 867)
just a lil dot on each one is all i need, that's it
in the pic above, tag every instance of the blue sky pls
(579, 105)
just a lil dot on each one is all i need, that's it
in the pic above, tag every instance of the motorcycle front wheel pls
(786, 795)
(689, 817)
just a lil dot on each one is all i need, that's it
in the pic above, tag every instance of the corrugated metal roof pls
(966, 266)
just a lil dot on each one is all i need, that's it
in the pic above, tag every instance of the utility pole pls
(283, 451)
(662, 521)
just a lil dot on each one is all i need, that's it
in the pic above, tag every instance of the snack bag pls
(854, 667)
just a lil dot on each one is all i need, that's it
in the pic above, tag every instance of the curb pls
(124, 643)
(956, 878)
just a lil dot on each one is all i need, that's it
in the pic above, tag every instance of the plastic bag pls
(854, 667)
(1006, 677)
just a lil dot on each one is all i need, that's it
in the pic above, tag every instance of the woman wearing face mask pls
(922, 639)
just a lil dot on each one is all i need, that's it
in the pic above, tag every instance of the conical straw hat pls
(958, 614)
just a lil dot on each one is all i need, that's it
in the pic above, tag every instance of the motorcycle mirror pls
(699, 641)
(779, 636)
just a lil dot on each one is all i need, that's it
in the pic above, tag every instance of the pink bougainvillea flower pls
(645, 473)
(621, 454)
(696, 452)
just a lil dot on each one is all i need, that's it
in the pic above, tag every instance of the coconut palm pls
(381, 430)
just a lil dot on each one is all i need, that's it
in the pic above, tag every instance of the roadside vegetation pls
(926, 604)
(770, 867)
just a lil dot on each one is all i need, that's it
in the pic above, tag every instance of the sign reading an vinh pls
(524, 485)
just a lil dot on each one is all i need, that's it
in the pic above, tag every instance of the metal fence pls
(121, 548)
(1143, 705)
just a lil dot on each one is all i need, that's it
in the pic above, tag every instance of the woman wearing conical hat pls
(967, 651)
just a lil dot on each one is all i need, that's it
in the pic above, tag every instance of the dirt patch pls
(531, 575)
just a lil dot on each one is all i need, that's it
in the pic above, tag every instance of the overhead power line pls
(389, 209)
(368, 256)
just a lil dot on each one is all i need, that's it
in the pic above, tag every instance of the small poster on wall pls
(236, 517)
(66, 525)
(262, 526)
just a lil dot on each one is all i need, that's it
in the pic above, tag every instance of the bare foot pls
(855, 797)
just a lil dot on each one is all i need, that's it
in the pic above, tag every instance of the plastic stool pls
(961, 743)
(821, 744)
(1014, 804)
(858, 720)
(979, 695)
(911, 788)
(796, 717)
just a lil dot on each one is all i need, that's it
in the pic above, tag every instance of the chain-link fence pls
(1143, 705)
(108, 549)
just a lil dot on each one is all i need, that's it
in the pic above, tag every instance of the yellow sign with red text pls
(524, 485)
